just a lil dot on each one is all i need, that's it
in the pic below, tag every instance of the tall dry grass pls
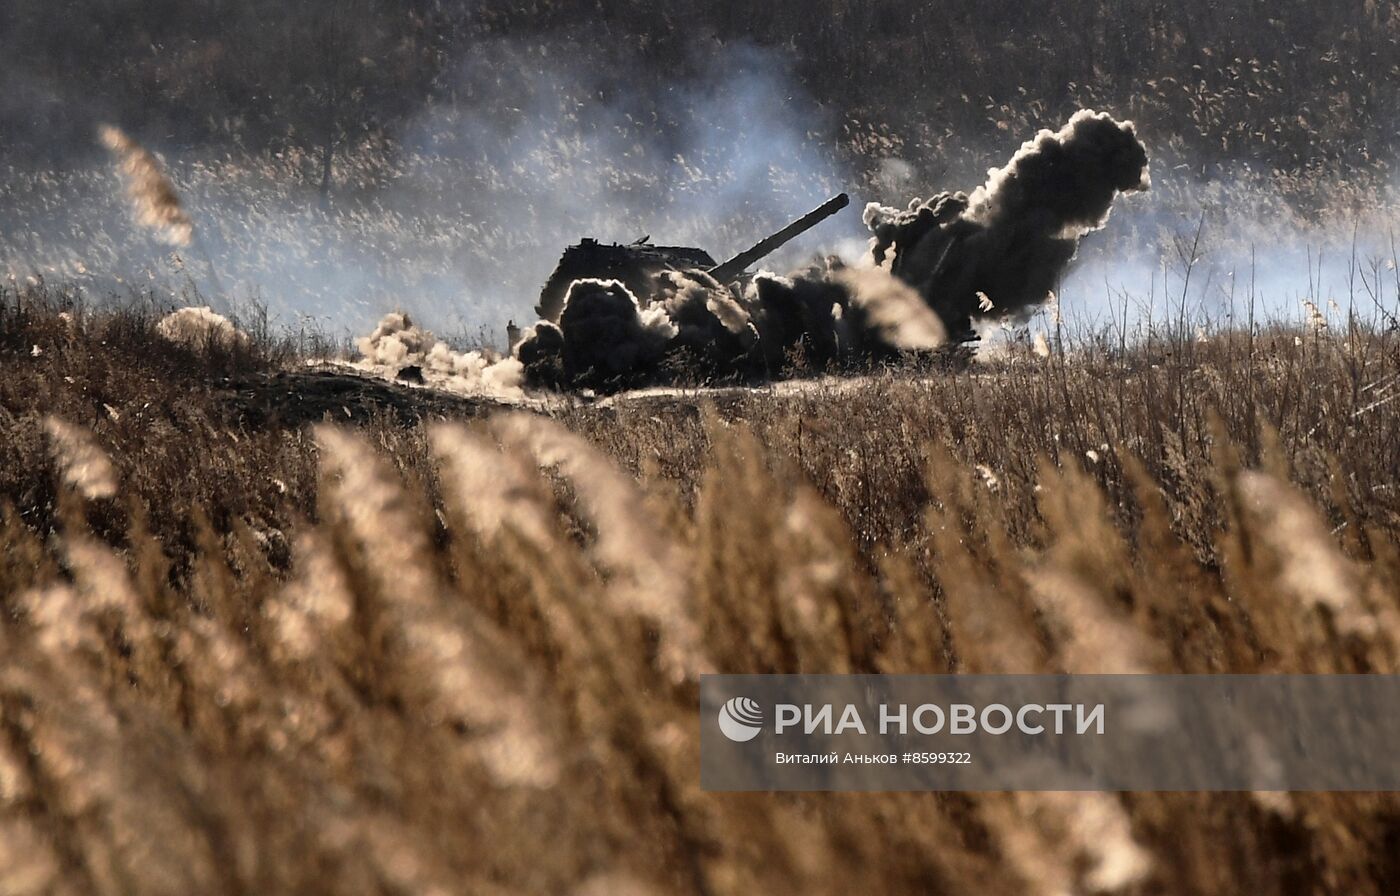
(463, 657)
(153, 196)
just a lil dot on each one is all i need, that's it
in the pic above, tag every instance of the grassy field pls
(429, 647)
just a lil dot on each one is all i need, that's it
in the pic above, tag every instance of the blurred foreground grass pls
(462, 656)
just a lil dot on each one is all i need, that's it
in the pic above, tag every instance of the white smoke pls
(1258, 253)
(397, 344)
(199, 327)
(526, 147)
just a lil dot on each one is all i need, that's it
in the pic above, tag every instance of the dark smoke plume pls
(692, 329)
(1012, 238)
(935, 267)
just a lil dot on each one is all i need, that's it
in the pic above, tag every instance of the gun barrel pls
(728, 270)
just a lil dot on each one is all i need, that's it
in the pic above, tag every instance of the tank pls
(636, 264)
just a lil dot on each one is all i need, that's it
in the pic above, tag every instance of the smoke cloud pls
(198, 327)
(933, 268)
(691, 329)
(1011, 240)
(400, 349)
(523, 146)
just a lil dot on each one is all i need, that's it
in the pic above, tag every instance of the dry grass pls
(463, 657)
(154, 198)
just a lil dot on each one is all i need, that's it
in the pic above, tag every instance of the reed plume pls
(452, 664)
(153, 195)
(644, 563)
(84, 465)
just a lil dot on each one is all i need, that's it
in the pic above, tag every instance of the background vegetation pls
(342, 159)
(1288, 85)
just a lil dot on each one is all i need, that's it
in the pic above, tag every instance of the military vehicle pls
(635, 264)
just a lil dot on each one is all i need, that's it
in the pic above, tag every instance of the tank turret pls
(636, 264)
